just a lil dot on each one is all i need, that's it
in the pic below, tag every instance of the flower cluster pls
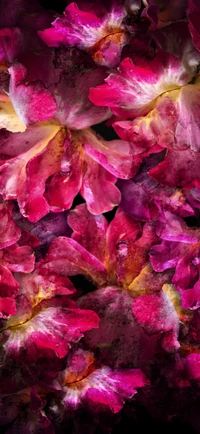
(99, 209)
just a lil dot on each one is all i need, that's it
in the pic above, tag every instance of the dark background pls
(142, 422)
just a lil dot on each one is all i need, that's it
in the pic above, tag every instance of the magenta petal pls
(64, 185)
(88, 230)
(135, 200)
(32, 102)
(52, 327)
(98, 31)
(110, 388)
(116, 156)
(190, 298)
(128, 244)
(192, 362)
(7, 307)
(184, 169)
(17, 180)
(8, 284)
(38, 170)
(9, 230)
(98, 187)
(114, 307)
(132, 90)
(156, 314)
(68, 258)
(187, 270)
(19, 258)
(167, 254)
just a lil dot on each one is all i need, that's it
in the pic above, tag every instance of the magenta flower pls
(99, 314)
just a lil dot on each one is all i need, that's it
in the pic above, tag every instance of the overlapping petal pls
(99, 31)
(156, 314)
(67, 257)
(15, 168)
(87, 382)
(133, 89)
(89, 231)
(119, 157)
(128, 244)
(9, 230)
(119, 341)
(168, 10)
(98, 187)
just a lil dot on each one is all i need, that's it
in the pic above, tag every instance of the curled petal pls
(20, 151)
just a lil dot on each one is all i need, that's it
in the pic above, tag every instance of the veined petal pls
(132, 90)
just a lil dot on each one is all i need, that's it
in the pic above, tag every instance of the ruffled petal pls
(95, 385)
(52, 327)
(132, 90)
(101, 32)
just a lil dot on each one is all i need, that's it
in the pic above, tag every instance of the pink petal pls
(131, 91)
(67, 257)
(19, 258)
(98, 187)
(89, 230)
(9, 230)
(117, 156)
(192, 362)
(184, 169)
(20, 151)
(99, 32)
(32, 102)
(52, 326)
(7, 307)
(119, 341)
(156, 314)
(128, 244)
(8, 284)
(63, 186)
